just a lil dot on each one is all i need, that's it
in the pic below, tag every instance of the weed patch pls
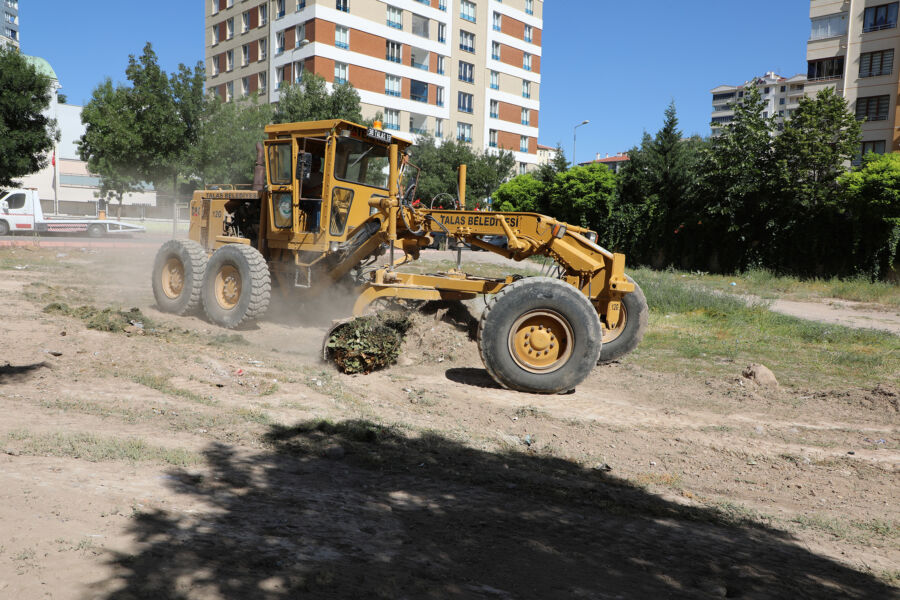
(94, 448)
(105, 319)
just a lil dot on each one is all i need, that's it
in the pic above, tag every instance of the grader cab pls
(331, 198)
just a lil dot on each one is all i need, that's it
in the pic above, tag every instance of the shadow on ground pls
(10, 373)
(356, 510)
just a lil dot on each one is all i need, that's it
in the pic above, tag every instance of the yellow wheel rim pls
(541, 341)
(173, 278)
(612, 333)
(228, 287)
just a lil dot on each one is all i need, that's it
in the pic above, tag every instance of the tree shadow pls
(339, 510)
(10, 373)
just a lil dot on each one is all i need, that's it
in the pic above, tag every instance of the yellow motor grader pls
(331, 198)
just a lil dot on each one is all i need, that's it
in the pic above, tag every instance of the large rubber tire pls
(96, 231)
(177, 276)
(632, 325)
(539, 335)
(236, 286)
(4, 228)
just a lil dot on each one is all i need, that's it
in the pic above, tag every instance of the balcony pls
(421, 26)
(392, 93)
(495, 115)
(343, 45)
(394, 24)
(340, 80)
(879, 27)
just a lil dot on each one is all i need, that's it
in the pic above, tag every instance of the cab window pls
(16, 201)
(356, 161)
(280, 164)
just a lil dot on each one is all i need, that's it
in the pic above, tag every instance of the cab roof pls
(324, 128)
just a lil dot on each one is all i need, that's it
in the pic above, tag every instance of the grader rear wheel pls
(628, 331)
(236, 286)
(539, 335)
(177, 274)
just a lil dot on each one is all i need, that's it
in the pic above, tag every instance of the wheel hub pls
(540, 341)
(228, 287)
(173, 278)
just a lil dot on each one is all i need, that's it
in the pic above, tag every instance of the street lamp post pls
(574, 133)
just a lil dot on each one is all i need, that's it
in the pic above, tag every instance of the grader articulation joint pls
(330, 196)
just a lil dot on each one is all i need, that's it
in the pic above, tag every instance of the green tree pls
(739, 188)
(547, 172)
(873, 204)
(226, 147)
(309, 100)
(486, 173)
(523, 194)
(583, 196)
(26, 132)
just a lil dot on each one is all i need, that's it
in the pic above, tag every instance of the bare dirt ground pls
(192, 462)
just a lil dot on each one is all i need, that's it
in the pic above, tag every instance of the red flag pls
(53, 160)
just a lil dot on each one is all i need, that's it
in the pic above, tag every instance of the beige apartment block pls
(851, 48)
(9, 31)
(468, 70)
(781, 96)
(237, 48)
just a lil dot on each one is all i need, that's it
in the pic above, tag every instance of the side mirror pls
(304, 165)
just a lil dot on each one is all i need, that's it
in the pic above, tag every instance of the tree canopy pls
(309, 100)
(27, 133)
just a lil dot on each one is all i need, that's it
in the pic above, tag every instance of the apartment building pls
(237, 48)
(468, 70)
(781, 95)
(9, 32)
(851, 48)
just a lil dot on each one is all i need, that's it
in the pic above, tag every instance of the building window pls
(439, 128)
(215, 35)
(465, 102)
(766, 92)
(442, 32)
(467, 41)
(467, 10)
(498, 22)
(279, 43)
(873, 108)
(529, 7)
(495, 109)
(245, 22)
(421, 26)
(495, 50)
(523, 168)
(263, 14)
(523, 143)
(299, 34)
(394, 17)
(529, 33)
(783, 88)
(391, 118)
(342, 37)
(394, 52)
(392, 85)
(229, 91)
(301, 4)
(245, 86)
(263, 48)
(492, 138)
(440, 65)
(526, 116)
(229, 60)
(340, 73)
(418, 91)
(261, 80)
(495, 80)
(877, 147)
(342, 5)
(298, 72)
(466, 72)
(279, 9)
(214, 65)
(873, 64)
(439, 100)
(781, 101)
(229, 28)
(829, 26)
(245, 55)
(215, 7)
(229, 4)
(880, 17)
(526, 89)
(826, 68)
(464, 132)
(526, 61)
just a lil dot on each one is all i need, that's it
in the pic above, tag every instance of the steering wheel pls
(410, 195)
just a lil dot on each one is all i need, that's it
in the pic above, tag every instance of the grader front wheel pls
(624, 336)
(539, 335)
(236, 286)
(177, 275)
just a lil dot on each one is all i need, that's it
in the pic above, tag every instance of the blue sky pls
(617, 63)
